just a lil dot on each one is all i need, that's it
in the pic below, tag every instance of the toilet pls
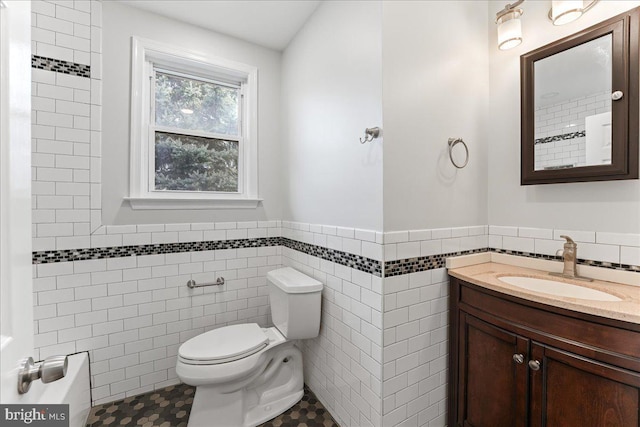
(244, 374)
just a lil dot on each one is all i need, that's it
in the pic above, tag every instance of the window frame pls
(147, 56)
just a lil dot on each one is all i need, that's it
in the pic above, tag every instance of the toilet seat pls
(224, 345)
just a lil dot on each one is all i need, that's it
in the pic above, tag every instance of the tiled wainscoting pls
(604, 249)
(415, 348)
(128, 304)
(415, 290)
(132, 312)
(380, 358)
(343, 366)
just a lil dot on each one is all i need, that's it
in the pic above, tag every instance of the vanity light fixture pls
(565, 11)
(509, 26)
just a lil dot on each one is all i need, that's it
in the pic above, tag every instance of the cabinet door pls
(492, 383)
(569, 390)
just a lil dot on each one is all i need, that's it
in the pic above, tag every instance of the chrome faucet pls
(569, 255)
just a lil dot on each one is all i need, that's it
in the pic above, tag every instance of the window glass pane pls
(186, 103)
(189, 163)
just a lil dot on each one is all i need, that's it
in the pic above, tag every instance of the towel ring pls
(452, 143)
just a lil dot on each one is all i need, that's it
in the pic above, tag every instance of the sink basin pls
(556, 288)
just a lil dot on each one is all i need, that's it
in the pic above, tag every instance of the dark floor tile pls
(170, 407)
(308, 412)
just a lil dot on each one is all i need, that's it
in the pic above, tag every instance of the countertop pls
(487, 275)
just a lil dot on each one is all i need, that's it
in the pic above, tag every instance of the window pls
(193, 130)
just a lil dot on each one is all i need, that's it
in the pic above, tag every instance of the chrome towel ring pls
(452, 143)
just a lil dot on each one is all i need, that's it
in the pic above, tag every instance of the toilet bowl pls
(244, 374)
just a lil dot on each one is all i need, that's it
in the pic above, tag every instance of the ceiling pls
(268, 23)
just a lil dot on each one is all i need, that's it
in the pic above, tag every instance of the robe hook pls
(370, 134)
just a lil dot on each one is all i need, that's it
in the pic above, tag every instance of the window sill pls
(148, 203)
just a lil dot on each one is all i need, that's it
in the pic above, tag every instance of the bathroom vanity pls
(523, 358)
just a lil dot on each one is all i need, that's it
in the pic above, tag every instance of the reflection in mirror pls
(572, 109)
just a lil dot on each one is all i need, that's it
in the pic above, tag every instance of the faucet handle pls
(568, 239)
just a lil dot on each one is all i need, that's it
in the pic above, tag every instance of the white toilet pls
(245, 375)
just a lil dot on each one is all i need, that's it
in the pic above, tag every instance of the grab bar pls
(191, 284)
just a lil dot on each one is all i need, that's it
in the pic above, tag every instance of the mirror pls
(580, 106)
(573, 92)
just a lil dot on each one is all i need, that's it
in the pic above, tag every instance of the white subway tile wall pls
(566, 152)
(569, 116)
(563, 118)
(420, 243)
(355, 241)
(131, 314)
(343, 366)
(66, 125)
(415, 349)
(614, 248)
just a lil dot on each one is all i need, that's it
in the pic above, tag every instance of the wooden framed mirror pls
(580, 105)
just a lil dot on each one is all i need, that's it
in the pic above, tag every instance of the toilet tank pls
(295, 303)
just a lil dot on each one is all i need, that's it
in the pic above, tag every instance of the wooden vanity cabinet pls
(517, 363)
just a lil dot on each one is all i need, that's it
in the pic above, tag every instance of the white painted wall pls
(435, 86)
(120, 23)
(331, 92)
(601, 206)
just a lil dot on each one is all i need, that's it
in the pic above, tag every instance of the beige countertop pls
(487, 275)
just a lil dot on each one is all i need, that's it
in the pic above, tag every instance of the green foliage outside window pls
(192, 163)
(187, 163)
(185, 103)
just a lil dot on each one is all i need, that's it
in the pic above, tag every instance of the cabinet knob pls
(518, 358)
(534, 365)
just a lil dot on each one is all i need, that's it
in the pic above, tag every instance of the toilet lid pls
(224, 344)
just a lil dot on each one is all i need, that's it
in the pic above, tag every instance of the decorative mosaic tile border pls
(45, 257)
(357, 262)
(431, 262)
(60, 66)
(592, 263)
(562, 137)
(343, 258)
(422, 263)
(367, 265)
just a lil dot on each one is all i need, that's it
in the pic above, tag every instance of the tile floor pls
(170, 407)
